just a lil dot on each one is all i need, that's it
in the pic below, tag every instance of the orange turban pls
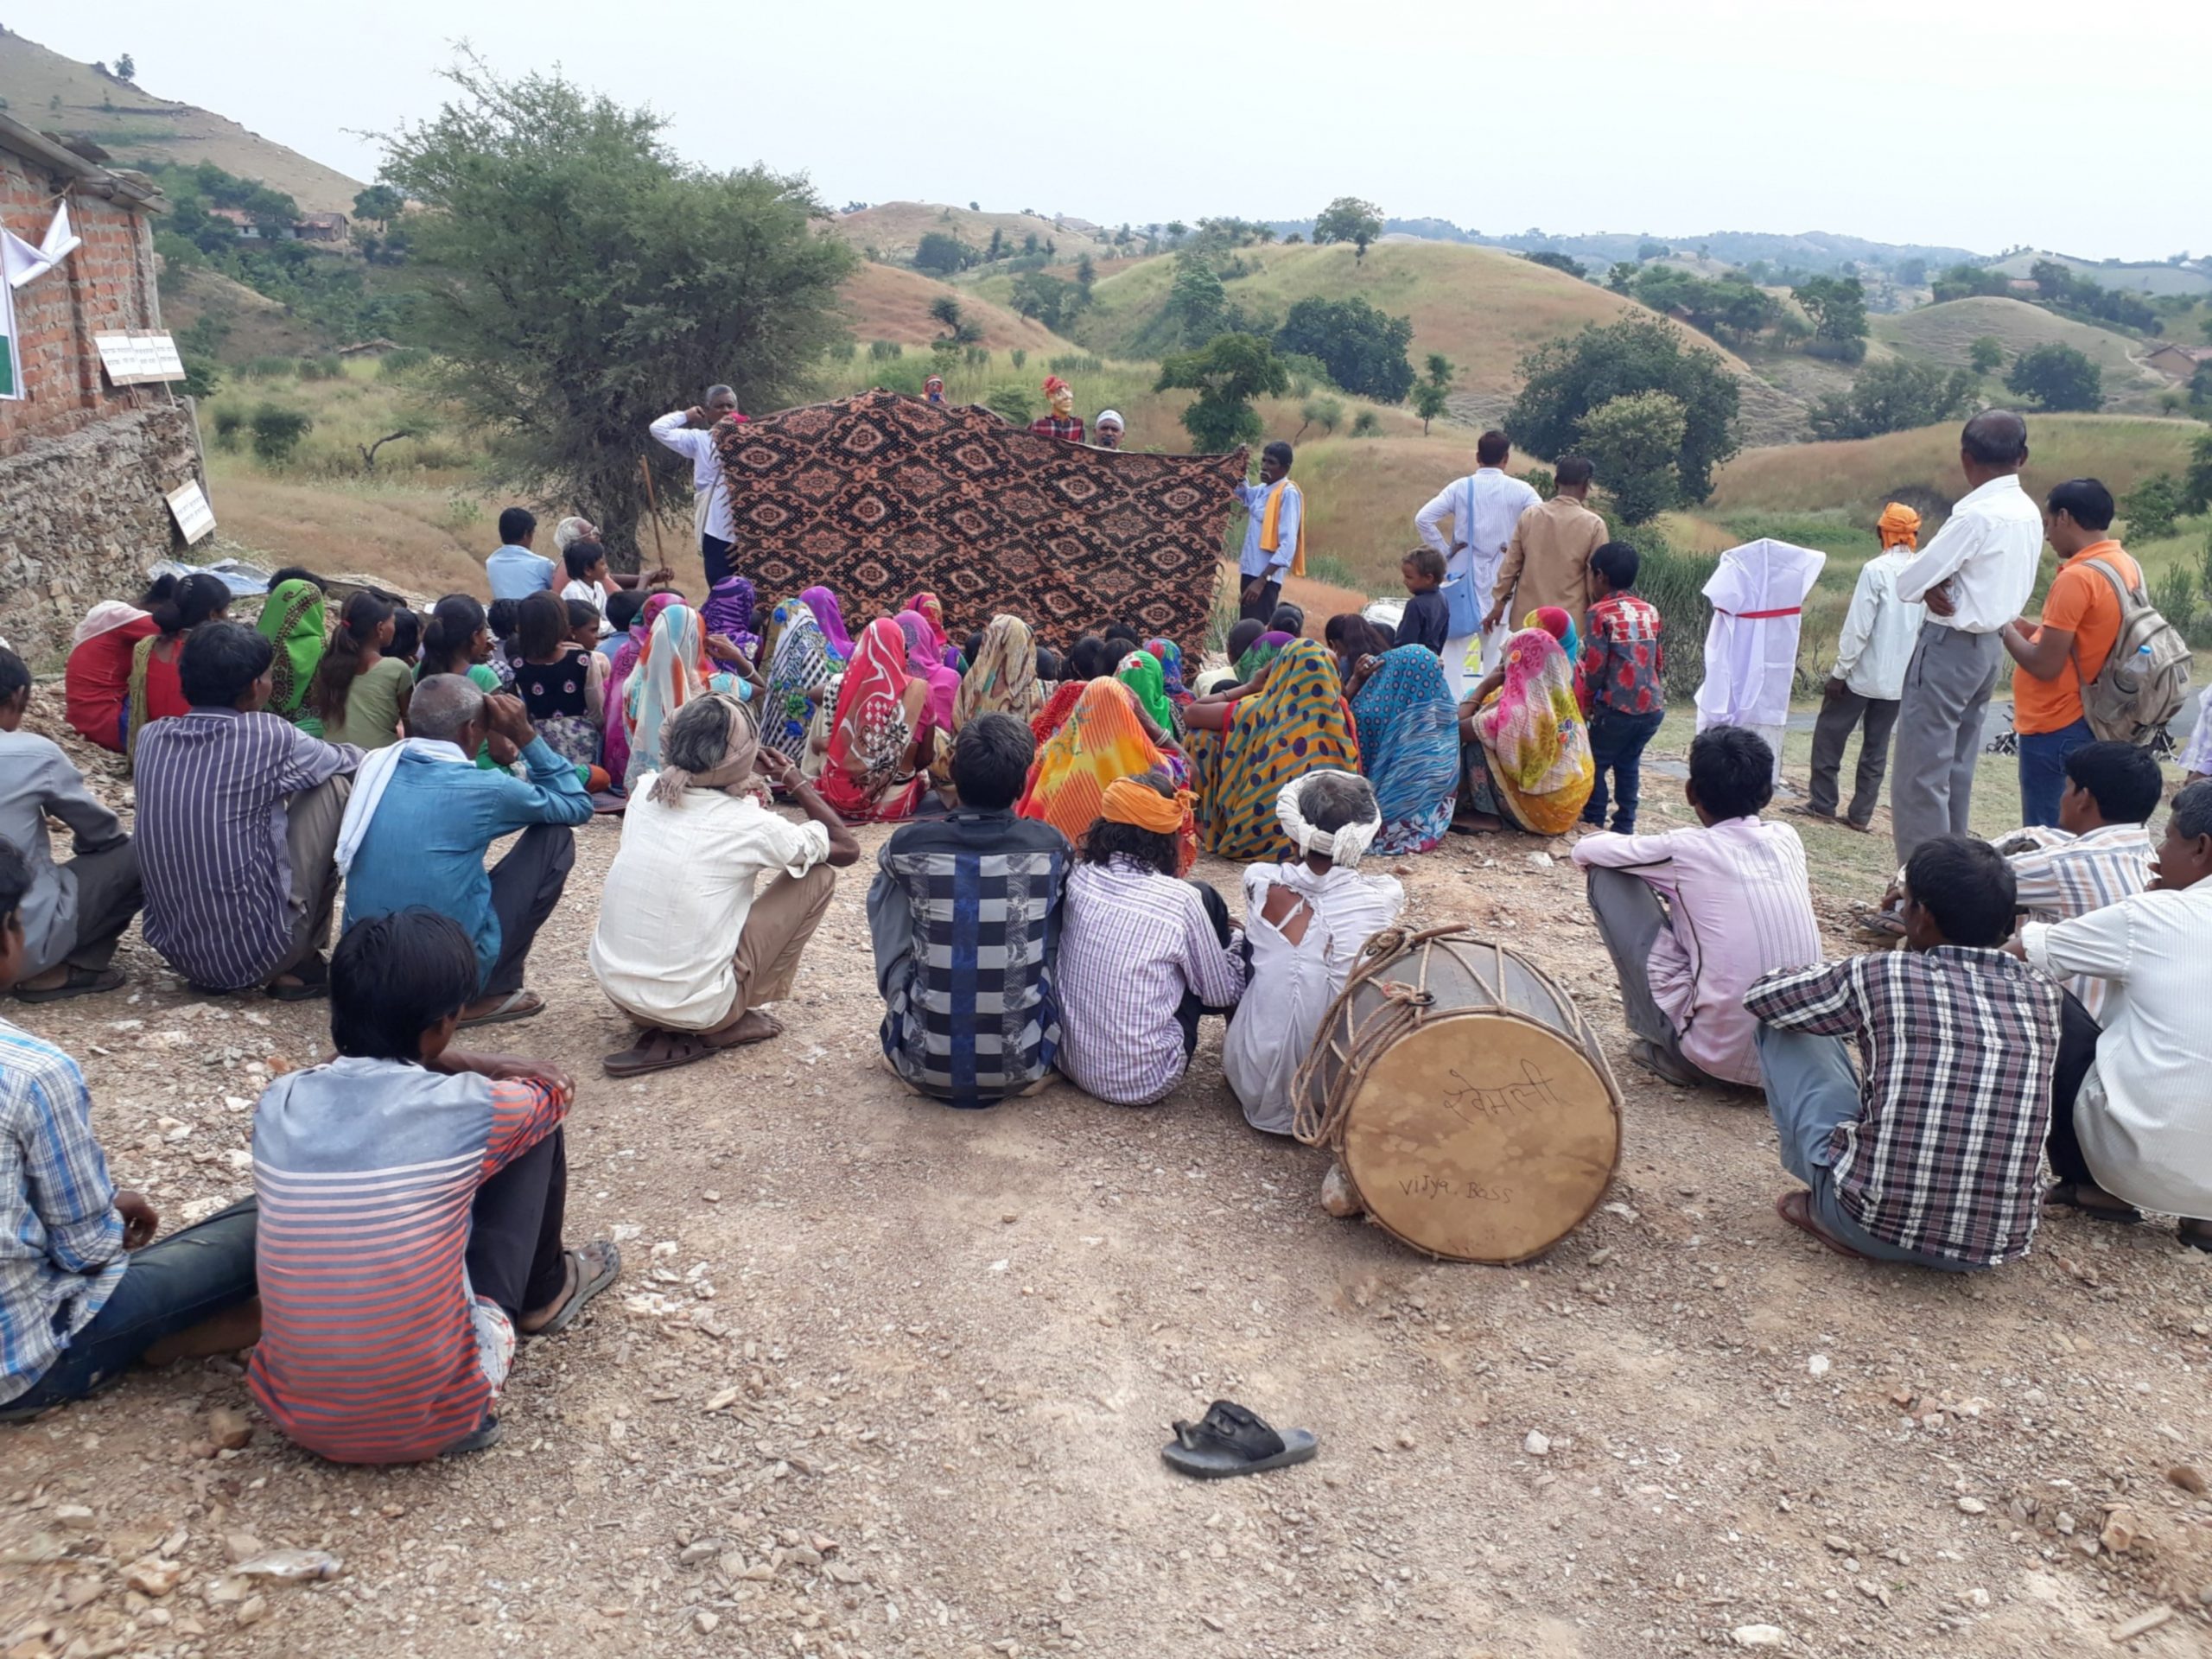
(1898, 526)
(1127, 801)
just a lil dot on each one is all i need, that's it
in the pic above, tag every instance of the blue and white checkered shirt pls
(60, 1239)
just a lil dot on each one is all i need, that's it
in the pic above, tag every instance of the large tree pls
(1227, 373)
(1349, 219)
(1637, 442)
(1837, 306)
(1894, 395)
(1363, 350)
(2057, 376)
(578, 279)
(1564, 381)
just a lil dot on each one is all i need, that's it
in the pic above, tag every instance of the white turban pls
(1345, 846)
(1110, 416)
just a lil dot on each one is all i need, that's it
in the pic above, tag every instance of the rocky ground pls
(884, 1379)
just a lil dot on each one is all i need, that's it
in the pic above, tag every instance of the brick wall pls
(83, 465)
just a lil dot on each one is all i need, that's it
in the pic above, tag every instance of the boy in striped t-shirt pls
(411, 1199)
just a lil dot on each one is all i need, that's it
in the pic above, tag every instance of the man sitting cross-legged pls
(1143, 953)
(1693, 917)
(2135, 1131)
(1930, 1154)
(690, 944)
(411, 1204)
(423, 815)
(84, 1292)
(965, 916)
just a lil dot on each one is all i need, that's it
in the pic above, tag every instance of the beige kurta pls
(1548, 562)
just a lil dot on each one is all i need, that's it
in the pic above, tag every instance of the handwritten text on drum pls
(1524, 1099)
(1443, 1186)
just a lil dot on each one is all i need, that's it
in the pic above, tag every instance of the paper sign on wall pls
(138, 357)
(195, 519)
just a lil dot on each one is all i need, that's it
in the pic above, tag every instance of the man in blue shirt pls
(516, 572)
(422, 816)
(1274, 532)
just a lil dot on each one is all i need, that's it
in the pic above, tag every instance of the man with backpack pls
(2102, 663)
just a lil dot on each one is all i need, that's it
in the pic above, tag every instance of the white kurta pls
(1757, 592)
(1291, 985)
(1484, 508)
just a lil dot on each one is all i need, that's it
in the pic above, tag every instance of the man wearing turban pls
(1867, 683)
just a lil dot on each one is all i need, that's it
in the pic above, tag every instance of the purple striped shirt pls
(213, 786)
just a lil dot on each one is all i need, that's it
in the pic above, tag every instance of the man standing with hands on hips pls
(690, 432)
(1975, 576)
(1275, 533)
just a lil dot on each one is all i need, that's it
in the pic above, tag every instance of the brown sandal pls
(1796, 1209)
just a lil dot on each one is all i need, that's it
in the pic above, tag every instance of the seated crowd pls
(1033, 914)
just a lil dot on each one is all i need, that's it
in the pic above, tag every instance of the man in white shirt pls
(1871, 654)
(1483, 507)
(2135, 1136)
(690, 432)
(1975, 575)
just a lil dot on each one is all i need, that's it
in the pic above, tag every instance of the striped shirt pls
(373, 1348)
(60, 1239)
(1955, 1050)
(213, 786)
(2071, 876)
(1135, 943)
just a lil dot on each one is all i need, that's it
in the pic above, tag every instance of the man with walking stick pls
(690, 432)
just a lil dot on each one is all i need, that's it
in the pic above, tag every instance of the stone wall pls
(81, 516)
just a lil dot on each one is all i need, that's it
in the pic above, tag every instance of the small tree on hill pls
(1363, 350)
(1986, 355)
(1227, 373)
(1432, 394)
(379, 202)
(1196, 299)
(1837, 306)
(1893, 397)
(1562, 382)
(2151, 507)
(1086, 275)
(1349, 219)
(126, 67)
(945, 310)
(1177, 230)
(2057, 376)
(1637, 442)
(942, 254)
(1552, 259)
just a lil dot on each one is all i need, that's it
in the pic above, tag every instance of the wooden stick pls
(652, 510)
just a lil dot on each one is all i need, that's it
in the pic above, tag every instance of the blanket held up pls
(881, 497)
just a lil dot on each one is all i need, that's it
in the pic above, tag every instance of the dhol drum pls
(1464, 1096)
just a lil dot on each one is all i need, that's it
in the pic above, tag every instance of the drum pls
(1464, 1096)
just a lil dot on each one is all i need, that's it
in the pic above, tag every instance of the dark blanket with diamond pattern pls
(881, 497)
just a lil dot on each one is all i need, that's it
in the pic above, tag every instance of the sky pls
(1973, 126)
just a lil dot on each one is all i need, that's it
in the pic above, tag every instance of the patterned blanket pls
(882, 496)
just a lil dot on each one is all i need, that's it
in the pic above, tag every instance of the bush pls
(321, 368)
(1366, 424)
(397, 364)
(1564, 381)
(2151, 507)
(1893, 397)
(1074, 363)
(271, 368)
(1307, 374)
(2174, 595)
(1011, 399)
(1020, 358)
(1327, 413)
(844, 351)
(277, 432)
(1362, 349)
(977, 357)
(2057, 378)
(883, 351)
(229, 423)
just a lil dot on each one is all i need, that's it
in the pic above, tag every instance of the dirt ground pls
(885, 1379)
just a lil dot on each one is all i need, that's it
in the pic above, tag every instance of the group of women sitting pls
(870, 719)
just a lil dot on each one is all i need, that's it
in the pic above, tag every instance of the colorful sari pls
(1140, 672)
(1297, 725)
(1171, 669)
(1003, 680)
(871, 727)
(824, 604)
(615, 745)
(1049, 719)
(923, 661)
(1408, 728)
(928, 607)
(1531, 764)
(728, 612)
(1263, 651)
(801, 664)
(291, 620)
(672, 670)
(1101, 740)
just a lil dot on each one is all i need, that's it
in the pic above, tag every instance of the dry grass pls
(890, 302)
(258, 326)
(896, 228)
(1943, 333)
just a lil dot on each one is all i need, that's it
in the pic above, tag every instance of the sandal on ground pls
(515, 1005)
(1806, 810)
(1664, 1066)
(313, 978)
(82, 982)
(1231, 1441)
(659, 1051)
(597, 1265)
(1878, 925)
(482, 1439)
(1796, 1209)
(2066, 1195)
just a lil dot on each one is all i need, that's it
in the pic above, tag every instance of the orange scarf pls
(1271, 526)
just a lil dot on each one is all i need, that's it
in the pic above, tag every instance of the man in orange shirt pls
(2066, 650)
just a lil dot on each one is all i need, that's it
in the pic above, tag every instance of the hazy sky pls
(1971, 124)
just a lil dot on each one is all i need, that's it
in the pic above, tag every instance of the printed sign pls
(195, 517)
(138, 358)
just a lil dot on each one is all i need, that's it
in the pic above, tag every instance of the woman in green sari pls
(291, 620)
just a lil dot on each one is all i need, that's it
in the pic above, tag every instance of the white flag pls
(19, 263)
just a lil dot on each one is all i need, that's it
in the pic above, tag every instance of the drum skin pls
(1466, 1099)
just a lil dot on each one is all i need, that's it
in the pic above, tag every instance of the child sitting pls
(1426, 619)
(561, 683)
(1623, 698)
(411, 1202)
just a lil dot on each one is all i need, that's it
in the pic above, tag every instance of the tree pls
(576, 279)
(2057, 376)
(942, 253)
(1986, 355)
(2196, 482)
(1228, 373)
(1552, 259)
(998, 246)
(1893, 397)
(1047, 299)
(1622, 278)
(1349, 219)
(2151, 507)
(126, 67)
(1196, 298)
(1564, 381)
(277, 432)
(945, 311)
(1086, 274)
(1837, 306)
(379, 202)
(1363, 350)
(1637, 442)
(1177, 230)
(1432, 395)
(1321, 411)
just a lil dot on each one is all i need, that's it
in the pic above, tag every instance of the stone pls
(1538, 1444)
(698, 1554)
(2186, 1477)
(2117, 1533)
(1817, 1364)
(240, 1546)
(1972, 1506)
(232, 1431)
(292, 1565)
(252, 1610)
(1338, 1197)
(1838, 1543)
(1759, 1636)
(2141, 1624)
(705, 1622)
(154, 1576)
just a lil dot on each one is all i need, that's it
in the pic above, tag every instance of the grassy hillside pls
(45, 90)
(254, 324)
(1944, 331)
(890, 302)
(2137, 278)
(1481, 309)
(895, 228)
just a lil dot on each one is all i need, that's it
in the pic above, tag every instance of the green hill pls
(1943, 333)
(2136, 278)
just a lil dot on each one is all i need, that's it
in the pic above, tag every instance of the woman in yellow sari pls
(1103, 738)
(1242, 754)
(1527, 751)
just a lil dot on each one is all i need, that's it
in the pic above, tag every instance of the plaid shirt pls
(1623, 660)
(1051, 426)
(60, 1239)
(965, 918)
(2074, 875)
(1956, 1051)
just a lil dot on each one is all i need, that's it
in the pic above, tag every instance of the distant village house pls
(2179, 362)
(309, 227)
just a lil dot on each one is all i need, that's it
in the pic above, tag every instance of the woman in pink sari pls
(614, 751)
(1527, 752)
(824, 604)
(881, 739)
(926, 607)
(923, 661)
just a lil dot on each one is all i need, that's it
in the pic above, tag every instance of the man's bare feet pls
(755, 1027)
(500, 1007)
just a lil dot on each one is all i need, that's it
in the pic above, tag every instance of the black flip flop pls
(1231, 1441)
(482, 1438)
(2066, 1195)
(82, 982)
(590, 1281)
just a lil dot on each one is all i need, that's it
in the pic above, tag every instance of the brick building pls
(83, 464)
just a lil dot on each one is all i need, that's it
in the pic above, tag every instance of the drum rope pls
(1404, 1006)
